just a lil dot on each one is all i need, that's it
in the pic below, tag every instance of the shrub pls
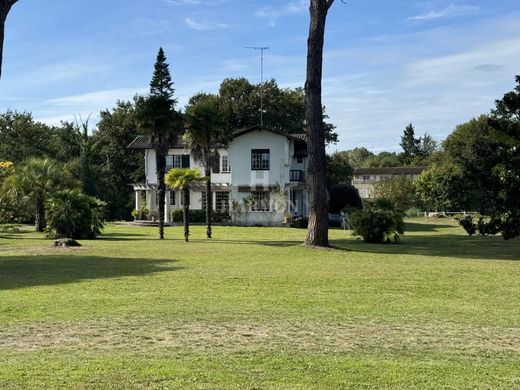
(299, 222)
(196, 216)
(72, 214)
(344, 196)
(379, 222)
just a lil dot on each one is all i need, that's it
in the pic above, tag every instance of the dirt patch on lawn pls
(146, 336)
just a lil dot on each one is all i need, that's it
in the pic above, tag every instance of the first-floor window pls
(177, 161)
(204, 200)
(172, 198)
(222, 201)
(261, 200)
(260, 159)
(224, 164)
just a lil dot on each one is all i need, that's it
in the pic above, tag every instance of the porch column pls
(138, 200)
(167, 208)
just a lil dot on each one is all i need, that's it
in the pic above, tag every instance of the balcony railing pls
(296, 176)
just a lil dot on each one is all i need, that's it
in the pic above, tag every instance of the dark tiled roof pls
(389, 171)
(145, 142)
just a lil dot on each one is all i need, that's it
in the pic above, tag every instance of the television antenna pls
(262, 49)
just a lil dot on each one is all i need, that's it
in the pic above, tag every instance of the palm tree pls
(37, 179)
(203, 136)
(181, 179)
(156, 115)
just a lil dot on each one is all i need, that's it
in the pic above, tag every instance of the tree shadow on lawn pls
(27, 271)
(251, 242)
(440, 245)
(426, 227)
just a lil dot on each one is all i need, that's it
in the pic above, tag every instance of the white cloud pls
(272, 14)
(204, 25)
(99, 99)
(452, 10)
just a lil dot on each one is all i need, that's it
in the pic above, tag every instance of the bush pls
(343, 196)
(379, 222)
(299, 223)
(72, 214)
(199, 216)
(196, 216)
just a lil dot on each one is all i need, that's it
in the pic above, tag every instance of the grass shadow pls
(28, 271)
(441, 245)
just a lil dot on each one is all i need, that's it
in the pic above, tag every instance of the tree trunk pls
(186, 212)
(40, 216)
(209, 202)
(317, 233)
(5, 7)
(160, 160)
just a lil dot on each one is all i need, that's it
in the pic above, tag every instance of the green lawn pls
(253, 309)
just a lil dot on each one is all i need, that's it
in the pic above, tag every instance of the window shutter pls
(185, 160)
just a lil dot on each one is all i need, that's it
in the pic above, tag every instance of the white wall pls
(150, 166)
(240, 159)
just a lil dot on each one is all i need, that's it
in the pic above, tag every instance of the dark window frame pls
(260, 159)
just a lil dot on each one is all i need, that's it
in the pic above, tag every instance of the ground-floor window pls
(222, 201)
(261, 200)
(172, 198)
(204, 200)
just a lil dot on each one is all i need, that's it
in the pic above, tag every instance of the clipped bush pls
(72, 214)
(379, 222)
(195, 215)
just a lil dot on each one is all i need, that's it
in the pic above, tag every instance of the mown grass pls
(253, 309)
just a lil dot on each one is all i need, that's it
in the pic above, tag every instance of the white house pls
(364, 179)
(261, 177)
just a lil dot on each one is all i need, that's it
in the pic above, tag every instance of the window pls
(260, 159)
(261, 200)
(222, 201)
(203, 200)
(224, 164)
(177, 161)
(172, 198)
(366, 179)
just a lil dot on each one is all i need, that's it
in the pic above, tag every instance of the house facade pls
(364, 179)
(261, 177)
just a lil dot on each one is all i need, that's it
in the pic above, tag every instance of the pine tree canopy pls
(162, 84)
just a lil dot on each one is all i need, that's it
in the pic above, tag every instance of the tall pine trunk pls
(5, 7)
(160, 160)
(317, 233)
(186, 212)
(209, 202)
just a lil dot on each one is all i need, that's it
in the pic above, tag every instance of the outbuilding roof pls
(389, 171)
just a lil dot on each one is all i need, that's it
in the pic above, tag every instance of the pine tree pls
(162, 84)
(410, 144)
(157, 116)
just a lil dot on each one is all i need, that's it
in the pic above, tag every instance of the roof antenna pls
(262, 49)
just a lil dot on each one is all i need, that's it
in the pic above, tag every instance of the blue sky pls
(387, 63)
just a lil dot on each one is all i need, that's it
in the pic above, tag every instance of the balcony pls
(296, 176)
